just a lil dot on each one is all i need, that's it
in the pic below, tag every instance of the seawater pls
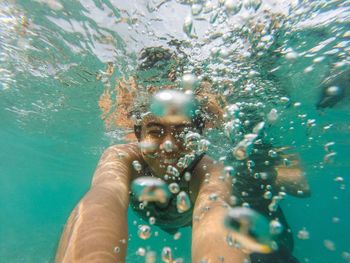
(54, 56)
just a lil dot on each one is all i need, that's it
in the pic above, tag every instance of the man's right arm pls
(96, 230)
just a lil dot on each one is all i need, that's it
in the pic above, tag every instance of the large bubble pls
(173, 103)
(150, 189)
(250, 229)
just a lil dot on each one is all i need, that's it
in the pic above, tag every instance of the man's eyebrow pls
(183, 125)
(152, 124)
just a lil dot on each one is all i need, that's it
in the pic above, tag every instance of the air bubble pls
(116, 250)
(303, 234)
(329, 245)
(171, 103)
(174, 188)
(167, 256)
(187, 176)
(177, 236)
(250, 228)
(335, 220)
(250, 164)
(147, 147)
(328, 147)
(333, 91)
(141, 252)
(233, 200)
(233, 6)
(196, 9)
(150, 257)
(137, 166)
(171, 170)
(192, 140)
(258, 129)
(189, 81)
(309, 69)
(144, 232)
(285, 100)
(168, 146)
(264, 175)
(346, 256)
(329, 158)
(292, 55)
(252, 5)
(276, 227)
(150, 189)
(183, 202)
(272, 116)
(272, 153)
(208, 7)
(121, 155)
(187, 26)
(267, 195)
(224, 53)
(213, 196)
(339, 179)
(203, 145)
(229, 171)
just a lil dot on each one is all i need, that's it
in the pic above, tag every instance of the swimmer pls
(200, 195)
(334, 89)
(99, 222)
(261, 182)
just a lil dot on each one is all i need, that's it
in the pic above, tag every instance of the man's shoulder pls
(127, 148)
(126, 152)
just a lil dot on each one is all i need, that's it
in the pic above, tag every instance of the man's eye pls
(155, 133)
(179, 134)
(184, 131)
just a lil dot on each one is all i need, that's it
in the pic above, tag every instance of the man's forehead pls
(173, 120)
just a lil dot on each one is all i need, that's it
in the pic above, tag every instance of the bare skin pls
(99, 224)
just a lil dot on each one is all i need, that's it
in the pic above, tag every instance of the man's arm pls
(291, 178)
(96, 230)
(209, 234)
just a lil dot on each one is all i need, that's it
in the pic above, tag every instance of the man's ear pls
(137, 131)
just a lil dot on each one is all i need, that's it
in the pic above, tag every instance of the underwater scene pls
(175, 131)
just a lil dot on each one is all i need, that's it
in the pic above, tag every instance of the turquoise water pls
(51, 134)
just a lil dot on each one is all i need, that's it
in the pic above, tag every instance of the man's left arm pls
(291, 178)
(209, 235)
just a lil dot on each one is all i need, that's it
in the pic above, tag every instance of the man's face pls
(162, 142)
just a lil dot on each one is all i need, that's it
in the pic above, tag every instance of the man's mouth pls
(169, 160)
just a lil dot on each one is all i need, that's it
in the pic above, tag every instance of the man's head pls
(163, 142)
(163, 131)
(158, 69)
(171, 104)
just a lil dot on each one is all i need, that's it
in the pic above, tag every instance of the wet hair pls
(159, 65)
(157, 68)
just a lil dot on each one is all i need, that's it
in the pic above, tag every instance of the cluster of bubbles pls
(216, 10)
(151, 189)
(151, 256)
(242, 32)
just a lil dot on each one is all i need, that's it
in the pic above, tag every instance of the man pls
(99, 222)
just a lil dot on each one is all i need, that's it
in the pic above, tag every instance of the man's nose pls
(169, 144)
